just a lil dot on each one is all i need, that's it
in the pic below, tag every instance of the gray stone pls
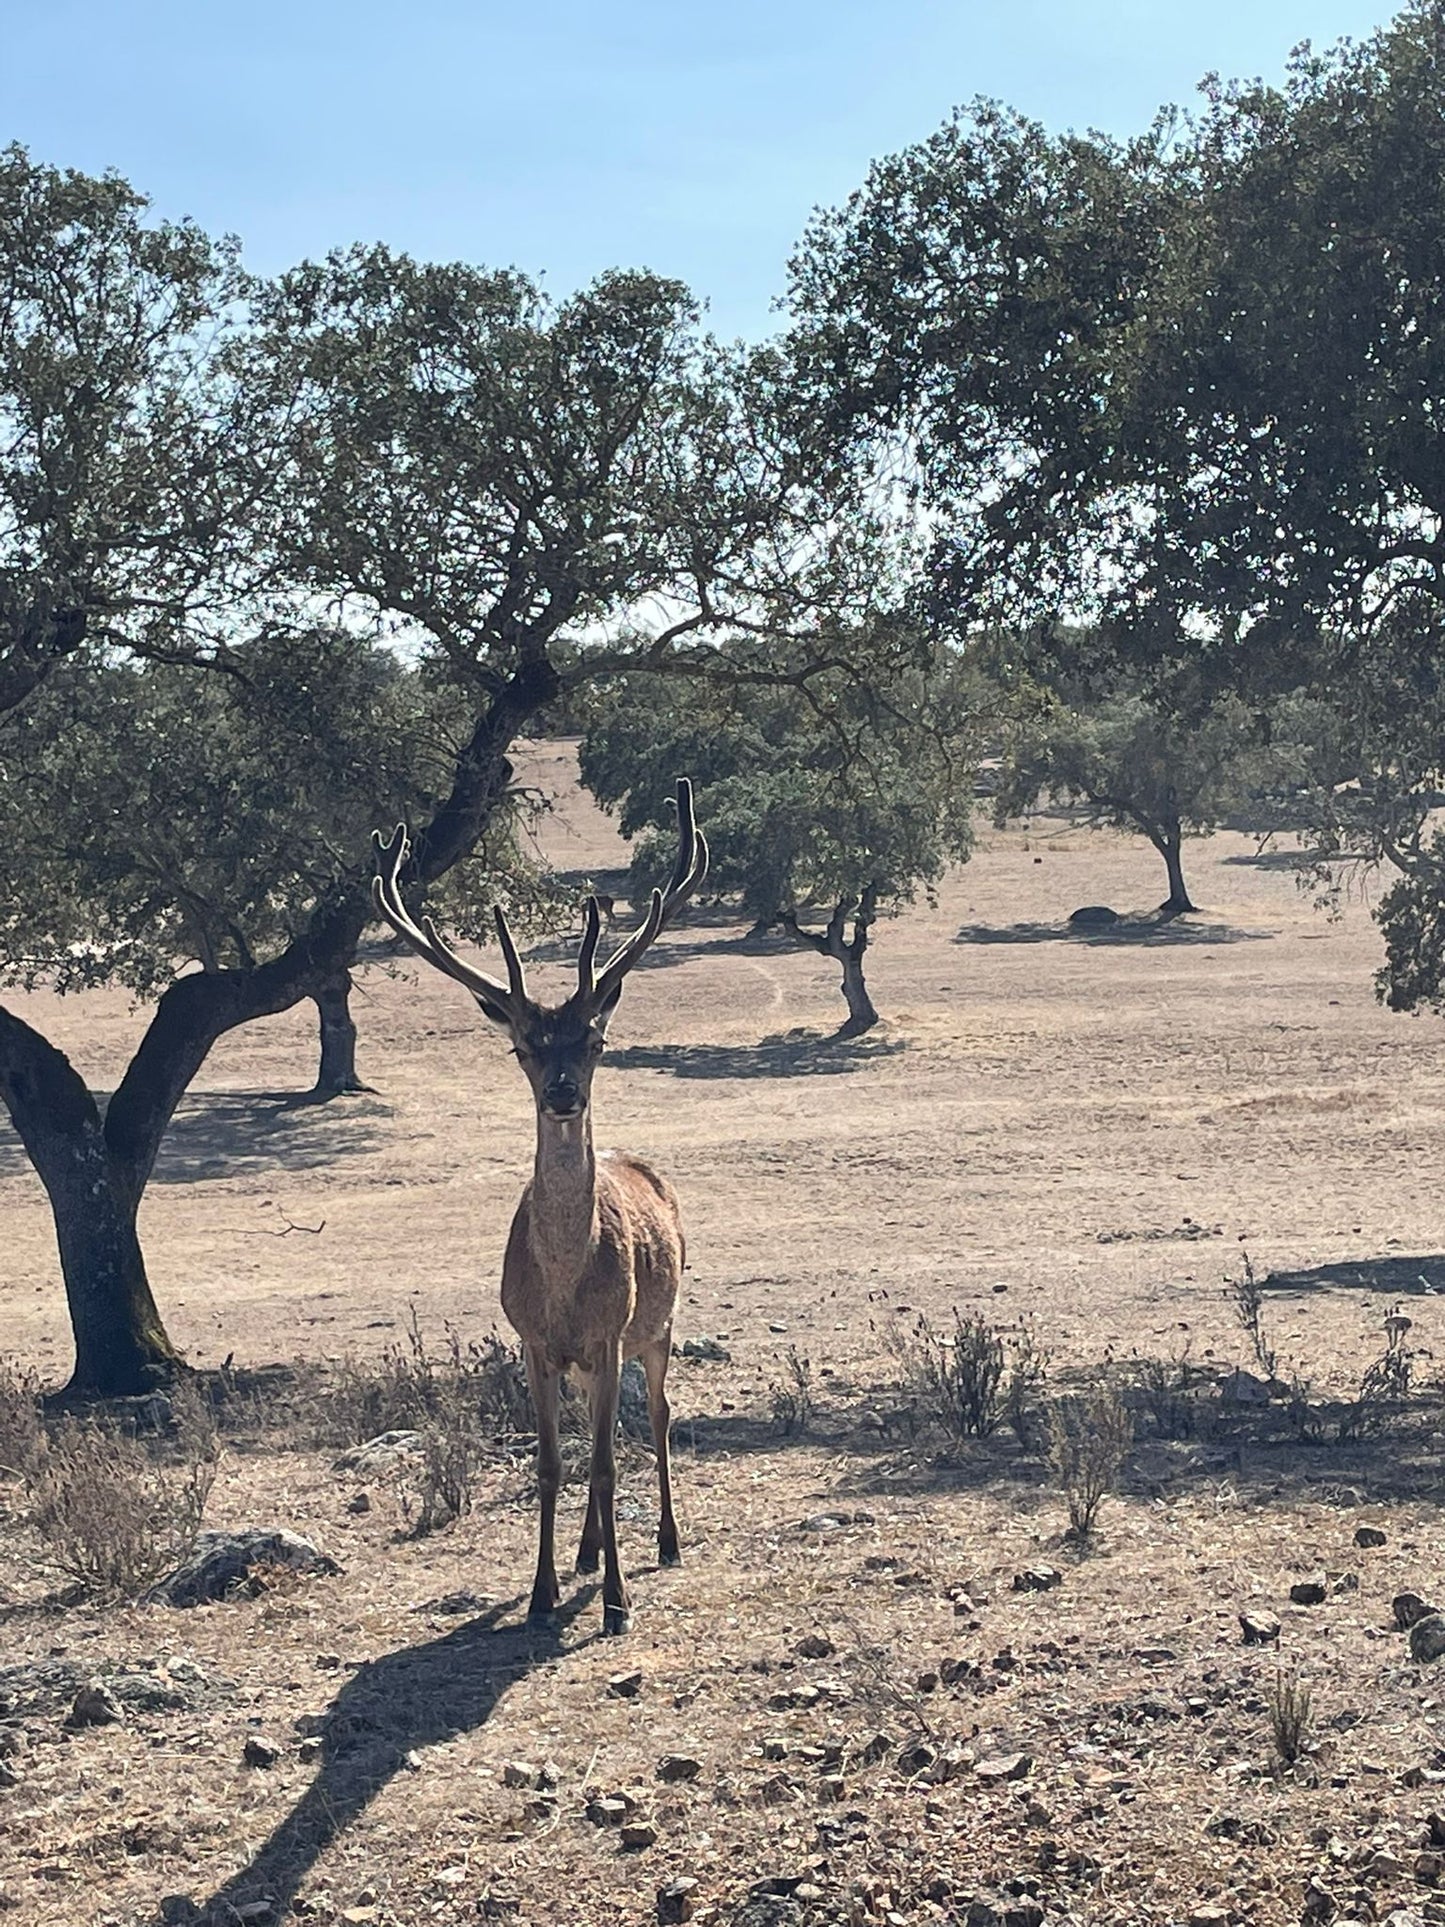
(1369, 1536)
(1427, 1638)
(94, 1705)
(224, 1562)
(1093, 916)
(1408, 1607)
(381, 1454)
(259, 1751)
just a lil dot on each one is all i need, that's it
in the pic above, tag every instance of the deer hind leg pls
(544, 1383)
(654, 1364)
(606, 1387)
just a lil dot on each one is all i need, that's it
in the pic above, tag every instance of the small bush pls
(973, 1379)
(1291, 1717)
(113, 1514)
(1162, 1388)
(1089, 1440)
(410, 1387)
(22, 1430)
(1246, 1294)
(791, 1396)
(1384, 1385)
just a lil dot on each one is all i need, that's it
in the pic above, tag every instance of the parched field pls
(1081, 1137)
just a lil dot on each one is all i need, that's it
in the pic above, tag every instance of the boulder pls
(224, 1562)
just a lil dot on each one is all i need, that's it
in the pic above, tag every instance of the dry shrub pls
(1162, 1388)
(22, 1430)
(410, 1388)
(1089, 1440)
(1384, 1385)
(971, 1380)
(1291, 1717)
(791, 1396)
(114, 1514)
(1246, 1294)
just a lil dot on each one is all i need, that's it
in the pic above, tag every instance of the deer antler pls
(687, 873)
(423, 938)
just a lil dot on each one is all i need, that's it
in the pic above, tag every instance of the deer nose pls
(560, 1094)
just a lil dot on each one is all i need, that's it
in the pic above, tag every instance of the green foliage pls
(811, 793)
(1128, 764)
(129, 470)
(158, 812)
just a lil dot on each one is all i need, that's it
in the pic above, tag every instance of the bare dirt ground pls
(1083, 1136)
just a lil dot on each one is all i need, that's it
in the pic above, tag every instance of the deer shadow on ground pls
(793, 1054)
(1149, 932)
(414, 1697)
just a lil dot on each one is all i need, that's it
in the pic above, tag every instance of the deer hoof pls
(616, 1619)
(669, 1555)
(588, 1560)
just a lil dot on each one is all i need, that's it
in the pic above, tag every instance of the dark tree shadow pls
(1412, 1277)
(1273, 860)
(417, 1696)
(224, 1133)
(218, 1134)
(795, 1054)
(1159, 932)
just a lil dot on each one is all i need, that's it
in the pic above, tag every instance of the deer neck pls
(564, 1194)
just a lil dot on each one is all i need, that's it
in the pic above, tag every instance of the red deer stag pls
(595, 1255)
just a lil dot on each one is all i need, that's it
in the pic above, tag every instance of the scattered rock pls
(1309, 1592)
(677, 1901)
(1004, 1766)
(94, 1705)
(1408, 1608)
(1243, 1388)
(1259, 1628)
(310, 1750)
(1427, 1638)
(674, 1767)
(259, 1751)
(9, 1775)
(815, 1646)
(1208, 1915)
(222, 1562)
(452, 1604)
(1093, 916)
(384, 1453)
(637, 1834)
(358, 1503)
(520, 1773)
(1037, 1579)
(707, 1348)
(624, 1686)
(1369, 1536)
(609, 1812)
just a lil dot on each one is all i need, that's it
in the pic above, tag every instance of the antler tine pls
(386, 900)
(588, 953)
(688, 871)
(509, 951)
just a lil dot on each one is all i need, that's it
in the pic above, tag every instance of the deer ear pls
(494, 1012)
(609, 1003)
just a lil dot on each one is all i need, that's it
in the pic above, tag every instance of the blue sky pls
(564, 138)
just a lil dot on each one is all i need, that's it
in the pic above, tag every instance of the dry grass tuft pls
(1291, 1717)
(1089, 1440)
(112, 1514)
(973, 1379)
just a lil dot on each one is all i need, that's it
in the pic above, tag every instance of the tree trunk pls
(121, 1345)
(834, 942)
(861, 1014)
(337, 1075)
(1170, 847)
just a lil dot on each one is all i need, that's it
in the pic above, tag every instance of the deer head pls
(559, 1045)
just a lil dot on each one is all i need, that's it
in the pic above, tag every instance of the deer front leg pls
(654, 1364)
(544, 1383)
(606, 1387)
(589, 1551)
